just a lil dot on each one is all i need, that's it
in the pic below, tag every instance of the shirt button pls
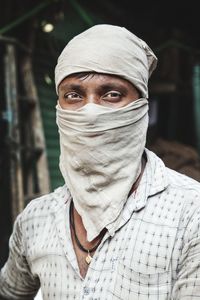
(86, 290)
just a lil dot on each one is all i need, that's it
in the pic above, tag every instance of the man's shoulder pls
(171, 177)
(46, 204)
(184, 192)
(178, 202)
(178, 187)
(182, 181)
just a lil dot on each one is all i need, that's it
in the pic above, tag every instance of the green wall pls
(47, 48)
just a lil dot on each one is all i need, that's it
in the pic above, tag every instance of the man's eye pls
(112, 95)
(72, 95)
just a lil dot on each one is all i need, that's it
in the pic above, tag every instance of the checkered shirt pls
(152, 251)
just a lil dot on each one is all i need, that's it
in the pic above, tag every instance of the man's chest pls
(137, 262)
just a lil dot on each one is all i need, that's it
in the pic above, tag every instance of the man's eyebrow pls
(72, 86)
(112, 86)
(103, 88)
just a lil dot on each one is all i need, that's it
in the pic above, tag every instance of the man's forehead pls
(83, 78)
(89, 75)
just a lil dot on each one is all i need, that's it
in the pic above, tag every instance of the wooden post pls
(36, 126)
(11, 93)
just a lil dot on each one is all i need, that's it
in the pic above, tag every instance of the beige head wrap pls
(108, 49)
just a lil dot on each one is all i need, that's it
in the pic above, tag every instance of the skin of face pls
(77, 90)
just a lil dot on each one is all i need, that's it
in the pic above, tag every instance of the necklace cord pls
(75, 235)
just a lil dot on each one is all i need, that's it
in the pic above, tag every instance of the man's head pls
(102, 115)
(111, 50)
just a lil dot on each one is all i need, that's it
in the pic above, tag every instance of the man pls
(123, 226)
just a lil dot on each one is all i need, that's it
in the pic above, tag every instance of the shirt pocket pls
(130, 284)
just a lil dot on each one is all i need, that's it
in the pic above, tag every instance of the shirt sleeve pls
(16, 280)
(187, 285)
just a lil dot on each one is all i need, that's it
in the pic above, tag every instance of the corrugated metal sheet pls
(196, 92)
(47, 101)
(43, 66)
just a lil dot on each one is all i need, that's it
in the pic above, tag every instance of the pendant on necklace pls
(88, 258)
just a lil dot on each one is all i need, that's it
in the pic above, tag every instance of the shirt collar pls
(156, 175)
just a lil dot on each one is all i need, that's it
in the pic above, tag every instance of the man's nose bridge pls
(91, 98)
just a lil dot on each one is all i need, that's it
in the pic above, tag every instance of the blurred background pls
(32, 35)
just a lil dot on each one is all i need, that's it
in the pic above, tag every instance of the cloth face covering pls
(101, 151)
